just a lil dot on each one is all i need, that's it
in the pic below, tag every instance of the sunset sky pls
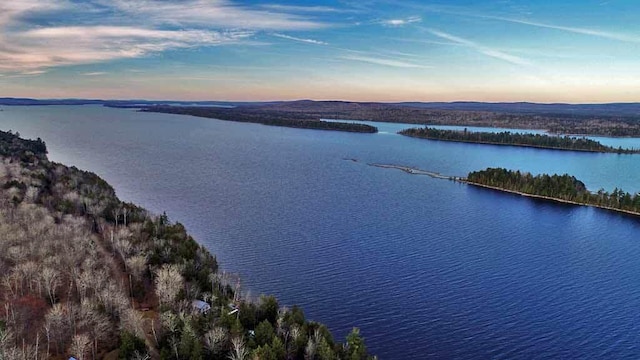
(543, 51)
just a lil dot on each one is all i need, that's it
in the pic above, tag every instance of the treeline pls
(516, 139)
(614, 125)
(265, 117)
(83, 274)
(561, 187)
(13, 146)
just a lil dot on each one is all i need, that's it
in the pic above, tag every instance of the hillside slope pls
(86, 275)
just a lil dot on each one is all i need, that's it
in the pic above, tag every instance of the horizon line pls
(319, 100)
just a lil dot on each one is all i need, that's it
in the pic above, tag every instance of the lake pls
(425, 267)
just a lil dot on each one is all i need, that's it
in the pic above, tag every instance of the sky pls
(578, 51)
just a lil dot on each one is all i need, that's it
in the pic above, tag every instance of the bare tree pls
(310, 350)
(116, 213)
(132, 321)
(29, 272)
(80, 346)
(50, 280)
(6, 344)
(294, 333)
(124, 248)
(216, 339)
(83, 284)
(137, 264)
(11, 283)
(56, 327)
(95, 324)
(238, 349)
(169, 282)
(312, 345)
(112, 298)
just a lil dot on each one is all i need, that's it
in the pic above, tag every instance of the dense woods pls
(265, 117)
(12, 145)
(619, 119)
(583, 123)
(83, 274)
(516, 139)
(561, 187)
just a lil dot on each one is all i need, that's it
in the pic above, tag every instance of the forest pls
(272, 118)
(12, 145)
(561, 187)
(617, 120)
(84, 274)
(583, 123)
(516, 139)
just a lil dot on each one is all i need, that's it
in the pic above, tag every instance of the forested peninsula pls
(84, 274)
(568, 143)
(608, 121)
(253, 115)
(562, 188)
(616, 119)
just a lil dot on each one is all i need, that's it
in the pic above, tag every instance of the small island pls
(559, 188)
(258, 116)
(507, 138)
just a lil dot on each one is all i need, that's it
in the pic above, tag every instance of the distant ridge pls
(608, 109)
(8, 101)
(615, 109)
(528, 108)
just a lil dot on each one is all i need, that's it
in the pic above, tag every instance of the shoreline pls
(179, 275)
(547, 198)
(613, 151)
(257, 117)
(435, 175)
(414, 171)
(543, 131)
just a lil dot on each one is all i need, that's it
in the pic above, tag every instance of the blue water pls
(425, 267)
(392, 128)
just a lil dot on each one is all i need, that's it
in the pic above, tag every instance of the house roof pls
(200, 305)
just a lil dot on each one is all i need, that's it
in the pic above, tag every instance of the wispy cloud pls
(33, 72)
(133, 28)
(423, 41)
(611, 35)
(95, 73)
(304, 9)
(576, 30)
(557, 53)
(11, 11)
(57, 46)
(384, 61)
(218, 13)
(401, 22)
(308, 41)
(494, 53)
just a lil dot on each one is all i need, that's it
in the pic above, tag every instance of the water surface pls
(423, 266)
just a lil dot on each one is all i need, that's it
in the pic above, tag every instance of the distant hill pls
(115, 103)
(610, 109)
(615, 119)
(595, 119)
(30, 102)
